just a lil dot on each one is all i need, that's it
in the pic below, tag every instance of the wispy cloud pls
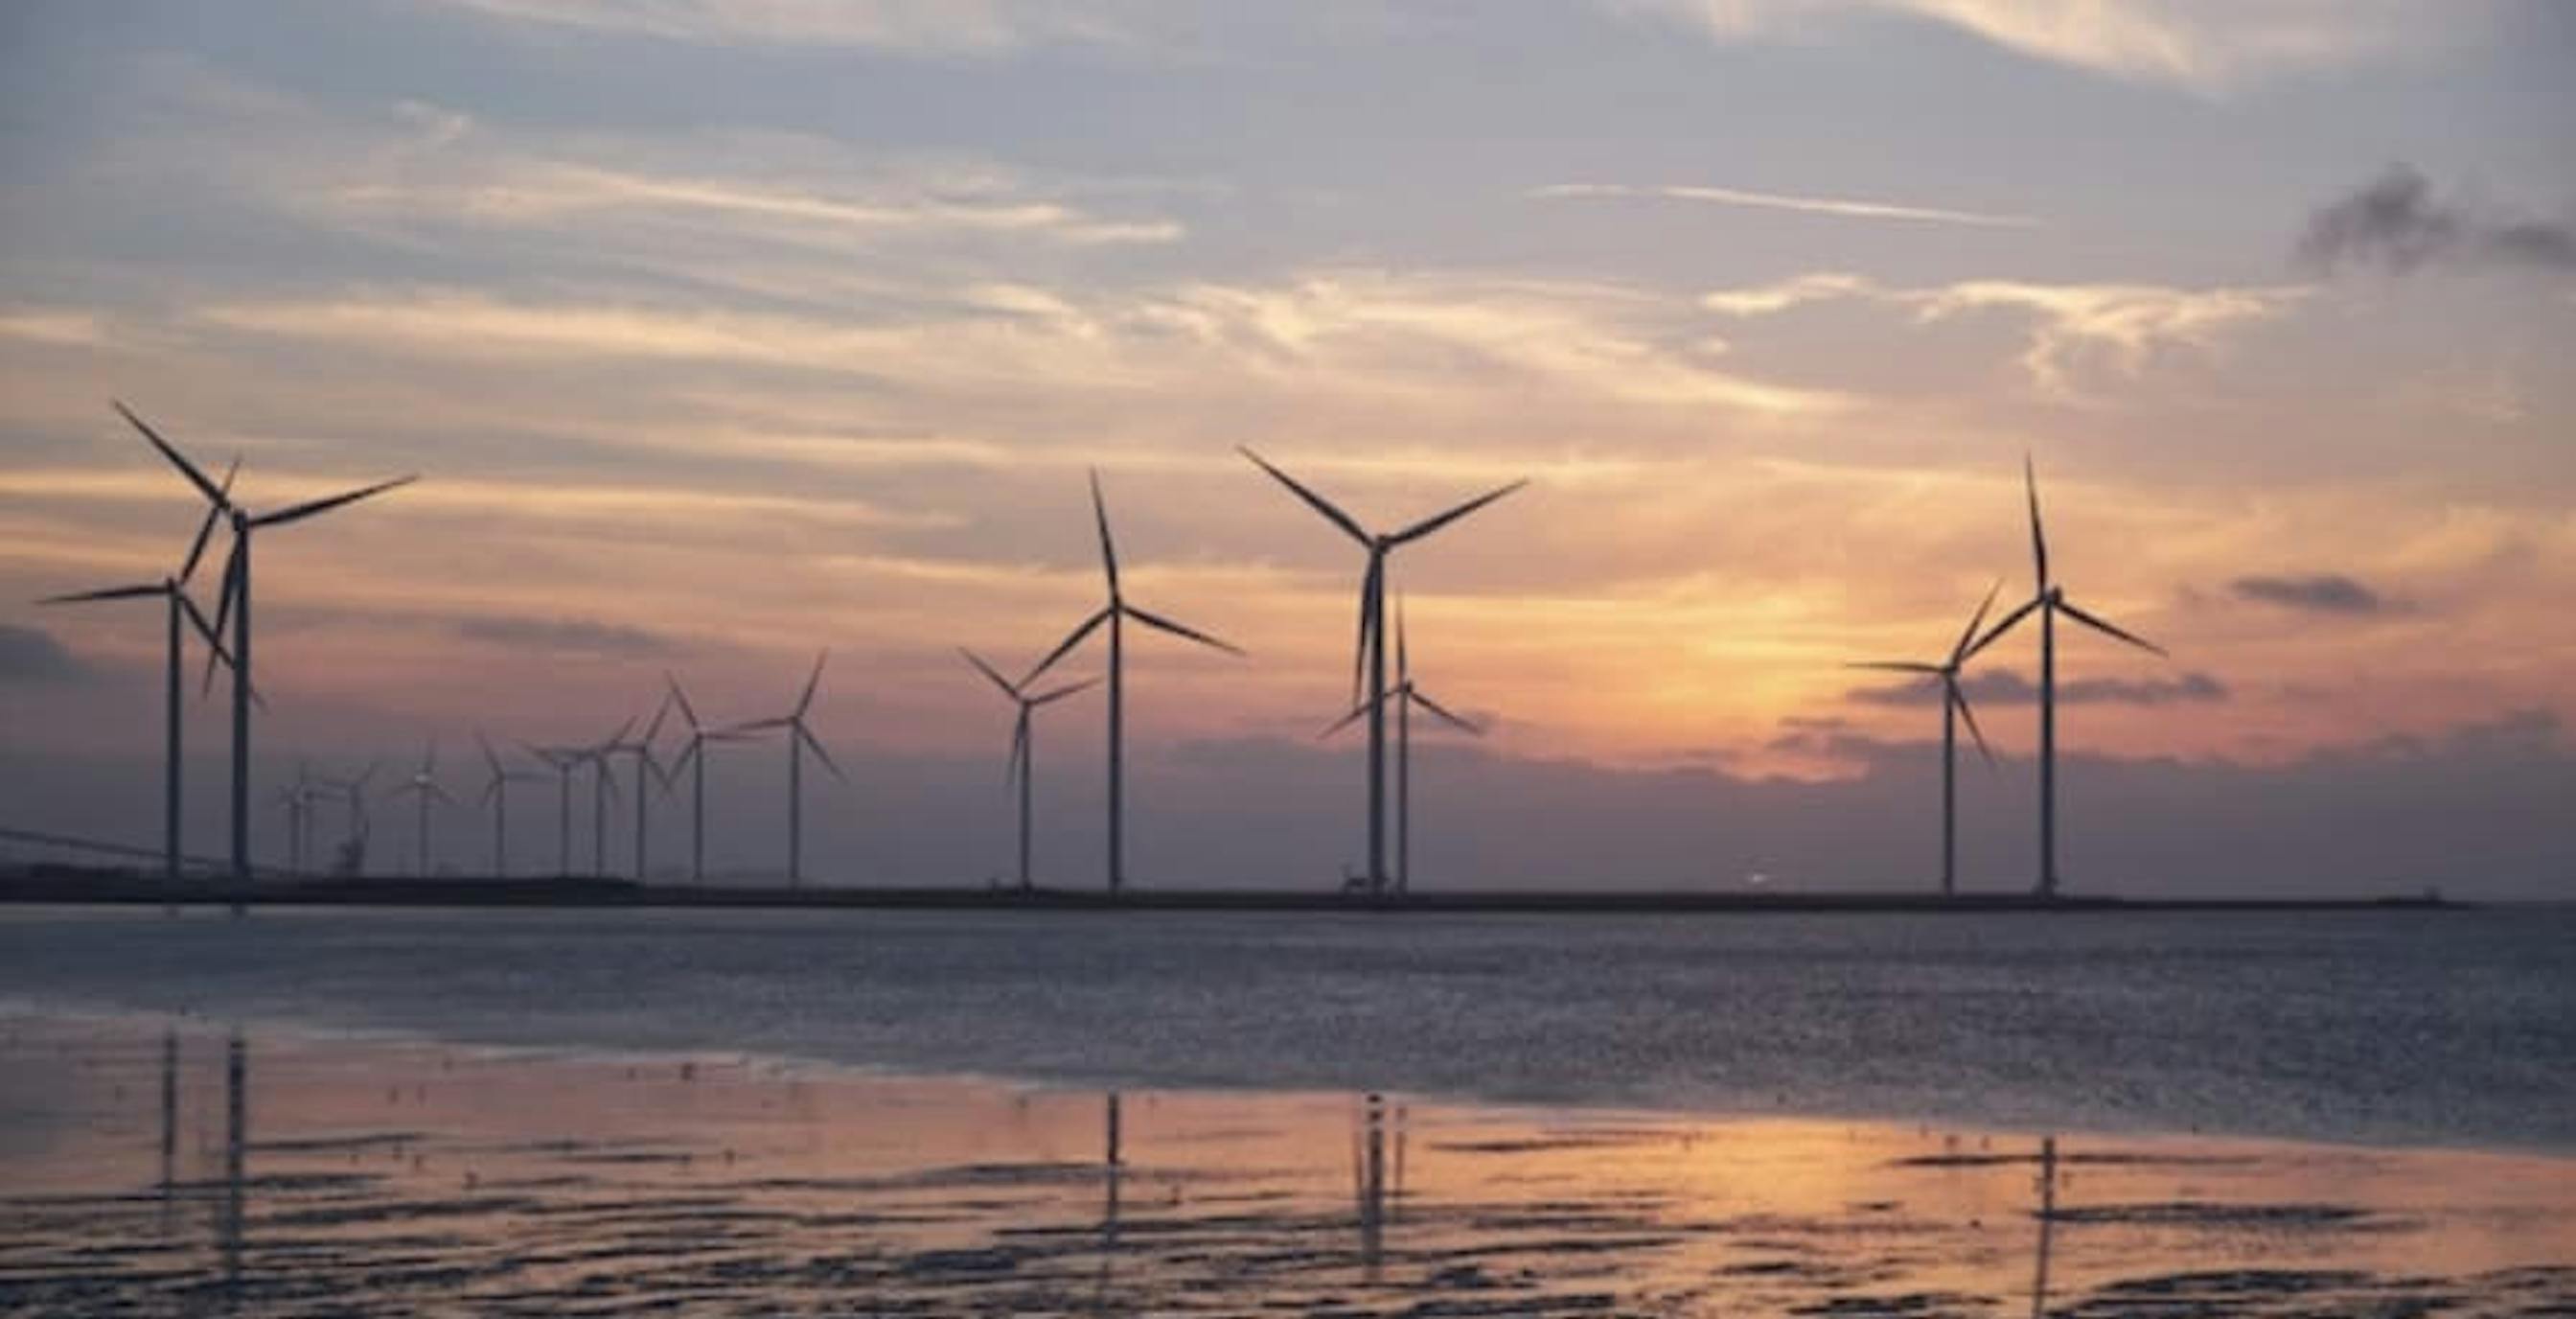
(1838, 206)
(2396, 223)
(922, 27)
(2202, 45)
(577, 635)
(2320, 593)
(2010, 687)
(2072, 325)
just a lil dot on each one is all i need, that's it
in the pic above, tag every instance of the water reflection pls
(546, 1184)
(228, 1228)
(2047, 1223)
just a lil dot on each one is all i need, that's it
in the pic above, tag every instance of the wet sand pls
(159, 1167)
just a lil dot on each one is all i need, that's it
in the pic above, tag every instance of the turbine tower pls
(1115, 614)
(603, 789)
(1371, 655)
(1406, 696)
(693, 757)
(2049, 600)
(563, 761)
(1954, 707)
(799, 737)
(182, 610)
(423, 786)
(1023, 765)
(235, 603)
(496, 794)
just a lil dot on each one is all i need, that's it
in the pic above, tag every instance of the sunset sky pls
(724, 330)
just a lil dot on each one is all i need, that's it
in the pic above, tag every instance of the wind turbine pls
(693, 757)
(563, 761)
(799, 737)
(496, 793)
(2049, 600)
(645, 765)
(1371, 655)
(235, 603)
(1115, 614)
(1406, 696)
(603, 787)
(353, 795)
(423, 785)
(1023, 765)
(1954, 706)
(173, 590)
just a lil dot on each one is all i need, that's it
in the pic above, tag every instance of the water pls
(2401, 1028)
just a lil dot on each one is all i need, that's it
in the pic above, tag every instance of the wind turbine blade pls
(1068, 690)
(1439, 712)
(441, 793)
(1108, 551)
(1894, 666)
(491, 789)
(1072, 639)
(1014, 767)
(214, 495)
(231, 586)
(213, 638)
(815, 744)
(2038, 541)
(1346, 720)
(310, 507)
(1187, 633)
(618, 738)
(206, 527)
(739, 731)
(1314, 501)
(1403, 664)
(1368, 620)
(661, 711)
(1959, 652)
(489, 759)
(687, 754)
(1428, 525)
(805, 700)
(544, 755)
(687, 711)
(2003, 626)
(2108, 629)
(1960, 699)
(107, 593)
(429, 758)
(988, 671)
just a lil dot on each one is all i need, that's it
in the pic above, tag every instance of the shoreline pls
(561, 892)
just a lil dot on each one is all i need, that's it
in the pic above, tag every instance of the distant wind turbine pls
(353, 796)
(1406, 695)
(799, 737)
(563, 761)
(423, 786)
(603, 789)
(1115, 614)
(647, 769)
(173, 591)
(1954, 707)
(235, 603)
(496, 794)
(1371, 655)
(1023, 766)
(693, 758)
(2049, 599)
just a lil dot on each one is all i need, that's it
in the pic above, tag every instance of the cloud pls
(2395, 222)
(30, 655)
(2009, 687)
(2073, 325)
(53, 326)
(2322, 593)
(573, 635)
(1865, 210)
(917, 27)
(2205, 46)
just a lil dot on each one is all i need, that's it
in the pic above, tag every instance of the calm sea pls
(2453, 1028)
